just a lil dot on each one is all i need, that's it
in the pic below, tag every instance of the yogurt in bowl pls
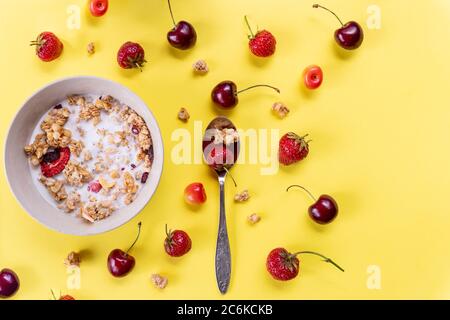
(91, 155)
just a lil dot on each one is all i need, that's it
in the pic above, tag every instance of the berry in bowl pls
(84, 155)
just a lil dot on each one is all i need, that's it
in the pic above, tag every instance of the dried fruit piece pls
(94, 186)
(52, 168)
(144, 177)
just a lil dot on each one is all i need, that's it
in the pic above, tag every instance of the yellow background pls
(379, 124)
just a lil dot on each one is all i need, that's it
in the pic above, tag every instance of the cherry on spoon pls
(221, 157)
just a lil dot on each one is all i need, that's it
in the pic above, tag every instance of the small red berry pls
(195, 193)
(261, 44)
(312, 77)
(177, 243)
(292, 148)
(98, 7)
(131, 55)
(48, 46)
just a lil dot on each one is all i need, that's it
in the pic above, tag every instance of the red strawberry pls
(131, 55)
(52, 165)
(177, 243)
(48, 46)
(292, 148)
(283, 265)
(62, 297)
(261, 44)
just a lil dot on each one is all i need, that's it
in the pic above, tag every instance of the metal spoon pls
(223, 256)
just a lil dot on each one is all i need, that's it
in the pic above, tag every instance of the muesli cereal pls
(91, 155)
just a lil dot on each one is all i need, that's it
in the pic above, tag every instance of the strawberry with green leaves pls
(48, 46)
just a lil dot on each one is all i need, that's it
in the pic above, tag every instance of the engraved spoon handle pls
(223, 256)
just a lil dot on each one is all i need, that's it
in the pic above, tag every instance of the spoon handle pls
(223, 256)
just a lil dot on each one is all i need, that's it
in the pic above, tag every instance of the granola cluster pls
(55, 187)
(226, 136)
(97, 211)
(76, 174)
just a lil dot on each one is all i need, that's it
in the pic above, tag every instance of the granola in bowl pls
(90, 156)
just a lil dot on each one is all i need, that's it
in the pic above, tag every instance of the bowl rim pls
(90, 232)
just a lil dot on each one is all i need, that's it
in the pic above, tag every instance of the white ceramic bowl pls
(18, 169)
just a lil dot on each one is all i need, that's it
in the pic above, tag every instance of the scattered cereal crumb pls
(81, 131)
(242, 196)
(200, 67)
(183, 115)
(159, 281)
(91, 48)
(253, 218)
(280, 109)
(73, 259)
(114, 174)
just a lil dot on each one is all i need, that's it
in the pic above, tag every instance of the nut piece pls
(242, 196)
(200, 67)
(159, 281)
(280, 109)
(253, 218)
(183, 115)
(91, 48)
(73, 259)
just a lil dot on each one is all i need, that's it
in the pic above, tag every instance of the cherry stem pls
(167, 231)
(249, 28)
(259, 85)
(319, 6)
(137, 237)
(325, 259)
(232, 178)
(171, 14)
(299, 186)
(53, 294)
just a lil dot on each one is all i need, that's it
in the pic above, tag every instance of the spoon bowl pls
(221, 150)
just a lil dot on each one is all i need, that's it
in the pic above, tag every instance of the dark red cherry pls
(225, 94)
(182, 36)
(350, 35)
(9, 283)
(121, 263)
(324, 209)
